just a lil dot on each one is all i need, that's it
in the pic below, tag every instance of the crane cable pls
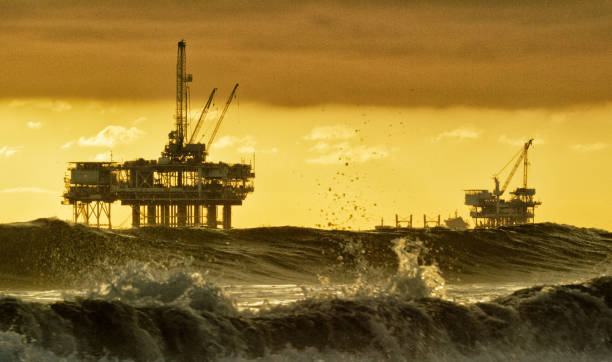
(202, 117)
(227, 104)
(509, 162)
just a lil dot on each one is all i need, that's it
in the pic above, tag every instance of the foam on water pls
(141, 284)
(291, 294)
(178, 315)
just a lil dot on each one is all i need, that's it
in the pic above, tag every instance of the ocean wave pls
(573, 320)
(52, 253)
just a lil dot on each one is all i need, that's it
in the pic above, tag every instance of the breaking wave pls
(182, 317)
(52, 253)
(153, 294)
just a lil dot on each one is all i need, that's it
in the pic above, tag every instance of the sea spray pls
(413, 279)
(149, 284)
(16, 347)
(571, 320)
(410, 280)
(156, 309)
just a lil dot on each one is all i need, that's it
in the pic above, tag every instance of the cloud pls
(510, 141)
(333, 147)
(519, 141)
(52, 105)
(139, 120)
(67, 145)
(8, 151)
(246, 149)
(231, 141)
(102, 107)
(34, 125)
(244, 145)
(589, 147)
(55, 106)
(110, 137)
(17, 103)
(459, 134)
(27, 190)
(320, 147)
(388, 53)
(558, 118)
(330, 133)
(102, 157)
(345, 152)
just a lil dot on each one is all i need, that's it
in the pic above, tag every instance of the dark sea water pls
(538, 292)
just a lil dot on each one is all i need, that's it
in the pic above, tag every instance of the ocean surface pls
(538, 292)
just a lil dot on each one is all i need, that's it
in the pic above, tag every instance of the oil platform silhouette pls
(489, 209)
(173, 190)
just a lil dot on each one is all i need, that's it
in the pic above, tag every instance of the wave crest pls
(568, 320)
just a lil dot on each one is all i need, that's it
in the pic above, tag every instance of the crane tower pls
(489, 209)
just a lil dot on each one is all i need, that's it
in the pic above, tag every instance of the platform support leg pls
(211, 216)
(166, 215)
(108, 215)
(196, 215)
(151, 215)
(135, 216)
(227, 217)
(75, 213)
(87, 212)
(181, 217)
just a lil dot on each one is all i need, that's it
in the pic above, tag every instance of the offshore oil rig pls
(173, 190)
(489, 209)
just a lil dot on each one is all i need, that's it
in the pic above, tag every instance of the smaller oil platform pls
(489, 209)
(178, 189)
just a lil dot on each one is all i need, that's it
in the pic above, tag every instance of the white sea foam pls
(411, 279)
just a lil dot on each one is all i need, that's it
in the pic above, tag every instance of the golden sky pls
(421, 100)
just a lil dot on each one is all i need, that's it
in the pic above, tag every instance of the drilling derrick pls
(182, 93)
(175, 149)
(173, 190)
(489, 209)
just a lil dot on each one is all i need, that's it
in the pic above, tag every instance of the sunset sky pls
(355, 110)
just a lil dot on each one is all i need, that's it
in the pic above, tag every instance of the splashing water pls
(163, 311)
(147, 284)
(414, 280)
(411, 279)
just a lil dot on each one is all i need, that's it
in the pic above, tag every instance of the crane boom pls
(227, 104)
(511, 174)
(198, 125)
(522, 157)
